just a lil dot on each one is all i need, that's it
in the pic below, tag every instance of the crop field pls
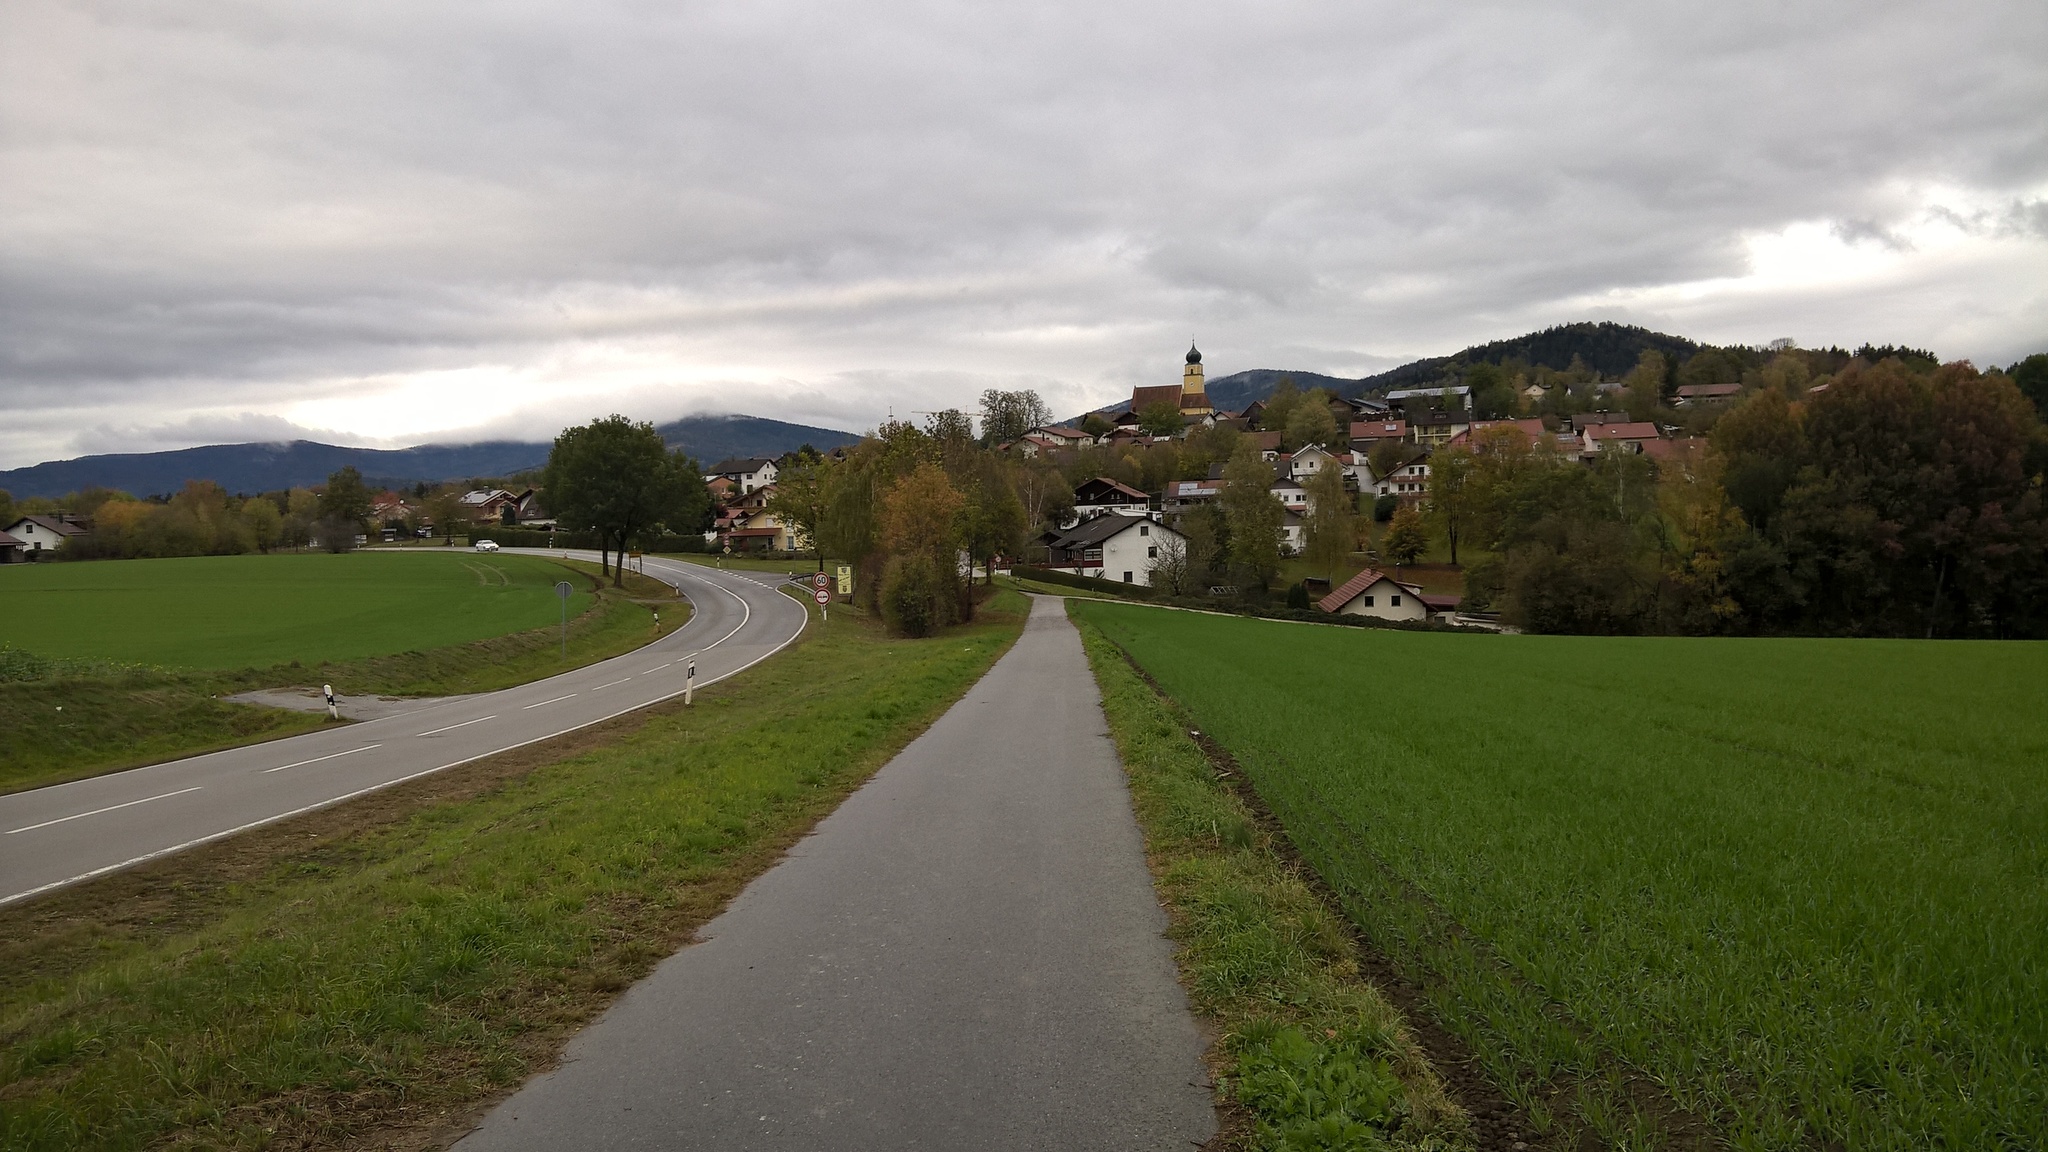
(1673, 892)
(254, 611)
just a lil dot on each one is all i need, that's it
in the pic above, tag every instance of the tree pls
(2031, 375)
(992, 522)
(1096, 425)
(1451, 492)
(1645, 386)
(1332, 526)
(1171, 569)
(1311, 422)
(1493, 395)
(618, 478)
(1005, 416)
(265, 524)
(800, 501)
(345, 497)
(1252, 514)
(920, 528)
(1387, 455)
(1160, 418)
(1279, 406)
(1407, 537)
(445, 511)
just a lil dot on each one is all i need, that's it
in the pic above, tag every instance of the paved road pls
(54, 836)
(968, 954)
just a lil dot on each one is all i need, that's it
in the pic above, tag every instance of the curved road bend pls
(60, 835)
(967, 954)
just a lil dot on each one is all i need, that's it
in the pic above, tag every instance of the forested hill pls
(1608, 348)
(250, 468)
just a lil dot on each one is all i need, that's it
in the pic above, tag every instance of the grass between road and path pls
(81, 717)
(1672, 892)
(1307, 1050)
(374, 974)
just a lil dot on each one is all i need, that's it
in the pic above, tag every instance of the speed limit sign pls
(822, 597)
(818, 581)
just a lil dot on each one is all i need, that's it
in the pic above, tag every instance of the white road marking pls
(317, 759)
(453, 727)
(659, 667)
(556, 700)
(613, 684)
(108, 808)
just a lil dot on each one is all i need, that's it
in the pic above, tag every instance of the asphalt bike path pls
(967, 954)
(63, 834)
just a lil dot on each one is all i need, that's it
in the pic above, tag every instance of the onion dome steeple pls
(1194, 354)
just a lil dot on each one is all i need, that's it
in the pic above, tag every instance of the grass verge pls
(67, 726)
(1312, 1056)
(379, 979)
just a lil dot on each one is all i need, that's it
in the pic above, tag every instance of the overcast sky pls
(385, 223)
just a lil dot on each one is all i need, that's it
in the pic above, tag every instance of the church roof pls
(1194, 355)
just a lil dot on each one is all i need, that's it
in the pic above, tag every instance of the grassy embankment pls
(379, 981)
(1309, 1052)
(1674, 892)
(129, 657)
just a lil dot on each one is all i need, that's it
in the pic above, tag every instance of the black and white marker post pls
(562, 590)
(690, 681)
(333, 710)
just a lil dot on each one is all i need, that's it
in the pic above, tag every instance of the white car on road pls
(485, 545)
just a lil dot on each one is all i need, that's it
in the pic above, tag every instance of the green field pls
(254, 611)
(1673, 892)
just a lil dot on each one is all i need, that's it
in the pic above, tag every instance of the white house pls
(1121, 548)
(748, 473)
(1102, 494)
(1288, 490)
(1376, 594)
(1314, 459)
(1293, 536)
(41, 534)
(1410, 481)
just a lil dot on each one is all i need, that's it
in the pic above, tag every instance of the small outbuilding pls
(1376, 594)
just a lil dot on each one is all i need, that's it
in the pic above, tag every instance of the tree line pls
(1903, 499)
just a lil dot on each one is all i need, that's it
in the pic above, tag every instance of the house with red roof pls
(1376, 594)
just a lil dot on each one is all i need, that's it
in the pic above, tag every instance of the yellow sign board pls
(846, 580)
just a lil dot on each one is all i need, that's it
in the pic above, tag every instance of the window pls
(1368, 601)
(1144, 529)
(1394, 600)
(1152, 553)
(1127, 577)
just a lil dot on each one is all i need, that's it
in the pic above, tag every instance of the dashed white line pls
(613, 684)
(317, 759)
(453, 727)
(659, 667)
(556, 700)
(97, 811)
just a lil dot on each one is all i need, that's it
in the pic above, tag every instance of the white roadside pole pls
(333, 710)
(690, 681)
(562, 589)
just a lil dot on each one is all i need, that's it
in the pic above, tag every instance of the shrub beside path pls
(968, 953)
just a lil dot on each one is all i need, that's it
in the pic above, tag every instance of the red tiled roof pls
(1357, 584)
(1379, 429)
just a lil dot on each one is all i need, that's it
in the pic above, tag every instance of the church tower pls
(1194, 396)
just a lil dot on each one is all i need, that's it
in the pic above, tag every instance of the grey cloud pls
(229, 206)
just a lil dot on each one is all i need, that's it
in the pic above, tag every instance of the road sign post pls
(333, 712)
(690, 681)
(824, 599)
(846, 579)
(562, 589)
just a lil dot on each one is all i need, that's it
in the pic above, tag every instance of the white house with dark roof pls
(1120, 548)
(1102, 494)
(36, 534)
(748, 473)
(1376, 594)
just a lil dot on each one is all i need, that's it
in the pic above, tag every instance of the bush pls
(1297, 597)
(917, 599)
(1383, 508)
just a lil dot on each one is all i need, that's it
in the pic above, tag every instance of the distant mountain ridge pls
(1608, 348)
(251, 468)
